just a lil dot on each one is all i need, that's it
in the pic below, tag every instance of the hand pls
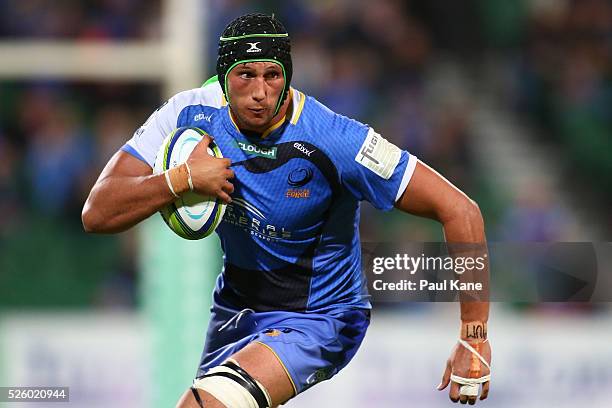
(464, 363)
(210, 174)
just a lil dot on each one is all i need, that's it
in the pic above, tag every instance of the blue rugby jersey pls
(291, 235)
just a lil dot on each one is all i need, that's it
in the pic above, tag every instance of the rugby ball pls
(191, 216)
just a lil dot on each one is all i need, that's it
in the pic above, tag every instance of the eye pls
(246, 75)
(273, 75)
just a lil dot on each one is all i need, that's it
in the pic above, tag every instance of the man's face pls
(254, 89)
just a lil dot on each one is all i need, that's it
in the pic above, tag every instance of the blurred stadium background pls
(510, 100)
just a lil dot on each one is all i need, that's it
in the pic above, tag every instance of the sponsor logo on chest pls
(251, 219)
(303, 149)
(202, 116)
(261, 151)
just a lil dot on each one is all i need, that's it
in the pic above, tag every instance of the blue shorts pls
(311, 346)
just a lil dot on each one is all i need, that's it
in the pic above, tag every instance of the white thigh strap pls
(227, 391)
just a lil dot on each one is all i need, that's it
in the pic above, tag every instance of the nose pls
(259, 89)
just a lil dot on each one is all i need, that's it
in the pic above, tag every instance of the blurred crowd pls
(79, 20)
(378, 62)
(559, 58)
(55, 138)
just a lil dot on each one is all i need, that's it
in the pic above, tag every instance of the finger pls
(203, 144)
(229, 174)
(472, 400)
(224, 197)
(463, 399)
(226, 162)
(228, 187)
(485, 391)
(454, 392)
(445, 378)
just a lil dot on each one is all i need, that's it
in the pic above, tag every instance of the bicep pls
(123, 164)
(430, 195)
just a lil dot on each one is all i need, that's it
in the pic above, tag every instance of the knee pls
(232, 386)
(192, 399)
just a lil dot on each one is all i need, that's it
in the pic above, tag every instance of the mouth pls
(257, 111)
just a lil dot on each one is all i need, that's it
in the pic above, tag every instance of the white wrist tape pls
(189, 180)
(469, 386)
(170, 183)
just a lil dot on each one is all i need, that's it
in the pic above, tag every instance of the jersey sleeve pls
(372, 168)
(147, 139)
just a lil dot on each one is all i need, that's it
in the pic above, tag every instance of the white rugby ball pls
(191, 216)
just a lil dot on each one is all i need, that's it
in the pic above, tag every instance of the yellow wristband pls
(178, 179)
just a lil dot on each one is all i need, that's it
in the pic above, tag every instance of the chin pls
(258, 123)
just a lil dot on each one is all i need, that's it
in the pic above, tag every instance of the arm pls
(127, 192)
(430, 195)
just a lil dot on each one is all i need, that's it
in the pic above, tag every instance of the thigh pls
(263, 365)
(286, 352)
(314, 348)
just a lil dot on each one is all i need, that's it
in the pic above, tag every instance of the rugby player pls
(291, 307)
